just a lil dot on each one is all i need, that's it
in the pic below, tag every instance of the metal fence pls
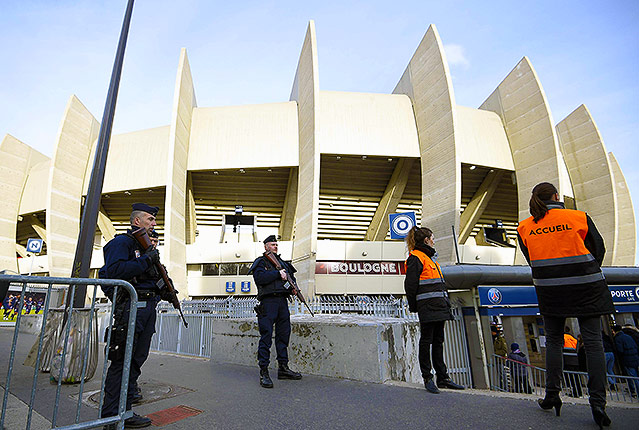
(68, 349)
(171, 336)
(515, 377)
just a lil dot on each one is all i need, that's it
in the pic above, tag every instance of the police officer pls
(125, 259)
(272, 292)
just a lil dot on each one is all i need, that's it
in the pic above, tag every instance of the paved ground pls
(231, 398)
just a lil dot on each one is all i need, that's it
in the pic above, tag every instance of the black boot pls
(599, 415)
(265, 379)
(137, 422)
(430, 386)
(448, 383)
(551, 400)
(283, 372)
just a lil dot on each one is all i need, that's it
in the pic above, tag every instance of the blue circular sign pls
(402, 224)
(494, 295)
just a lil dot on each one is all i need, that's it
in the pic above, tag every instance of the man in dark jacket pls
(273, 290)
(629, 356)
(125, 259)
(518, 372)
(631, 331)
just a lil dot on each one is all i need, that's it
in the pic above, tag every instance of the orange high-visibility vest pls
(558, 240)
(431, 282)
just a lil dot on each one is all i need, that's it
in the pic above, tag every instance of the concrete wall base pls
(353, 347)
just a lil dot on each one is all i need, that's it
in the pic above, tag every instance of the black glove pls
(154, 255)
(167, 296)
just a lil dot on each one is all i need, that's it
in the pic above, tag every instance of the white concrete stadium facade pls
(323, 170)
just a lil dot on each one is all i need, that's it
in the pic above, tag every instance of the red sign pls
(360, 268)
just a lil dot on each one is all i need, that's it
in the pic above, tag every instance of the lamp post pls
(84, 248)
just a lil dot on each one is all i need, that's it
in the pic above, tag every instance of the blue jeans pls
(633, 371)
(610, 363)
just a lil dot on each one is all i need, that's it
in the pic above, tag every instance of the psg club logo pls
(494, 295)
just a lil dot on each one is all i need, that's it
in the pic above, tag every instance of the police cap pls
(271, 238)
(153, 210)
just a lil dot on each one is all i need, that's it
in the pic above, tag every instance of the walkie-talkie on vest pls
(272, 258)
(145, 242)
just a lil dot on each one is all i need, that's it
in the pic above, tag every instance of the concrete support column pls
(478, 204)
(514, 332)
(626, 231)
(428, 83)
(306, 93)
(287, 220)
(392, 195)
(16, 159)
(176, 177)
(78, 131)
(591, 175)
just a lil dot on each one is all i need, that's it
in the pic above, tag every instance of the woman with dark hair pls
(565, 252)
(428, 296)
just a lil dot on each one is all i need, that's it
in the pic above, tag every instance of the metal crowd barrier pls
(57, 338)
(201, 314)
(512, 376)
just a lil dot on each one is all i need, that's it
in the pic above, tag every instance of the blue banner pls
(524, 295)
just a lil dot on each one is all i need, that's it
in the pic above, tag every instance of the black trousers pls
(144, 329)
(275, 312)
(590, 328)
(432, 339)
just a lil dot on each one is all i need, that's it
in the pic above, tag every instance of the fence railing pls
(242, 307)
(68, 350)
(515, 377)
(196, 340)
(171, 336)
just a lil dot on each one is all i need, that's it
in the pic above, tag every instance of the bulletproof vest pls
(277, 286)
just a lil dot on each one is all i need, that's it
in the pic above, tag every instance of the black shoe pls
(599, 415)
(448, 383)
(265, 379)
(137, 422)
(430, 386)
(283, 372)
(551, 400)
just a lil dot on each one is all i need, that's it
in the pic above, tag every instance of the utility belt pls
(147, 294)
(277, 295)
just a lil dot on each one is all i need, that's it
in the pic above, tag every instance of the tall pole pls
(84, 248)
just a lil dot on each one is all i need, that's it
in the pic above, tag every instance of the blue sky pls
(246, 52)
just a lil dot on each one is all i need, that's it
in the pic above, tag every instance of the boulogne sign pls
(360, 268)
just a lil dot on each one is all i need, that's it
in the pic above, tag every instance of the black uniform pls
(124, 259)
(272, 292)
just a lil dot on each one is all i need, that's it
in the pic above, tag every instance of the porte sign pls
(34, 246)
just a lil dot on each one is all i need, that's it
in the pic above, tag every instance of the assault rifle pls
(145, 242)
(272, 258)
